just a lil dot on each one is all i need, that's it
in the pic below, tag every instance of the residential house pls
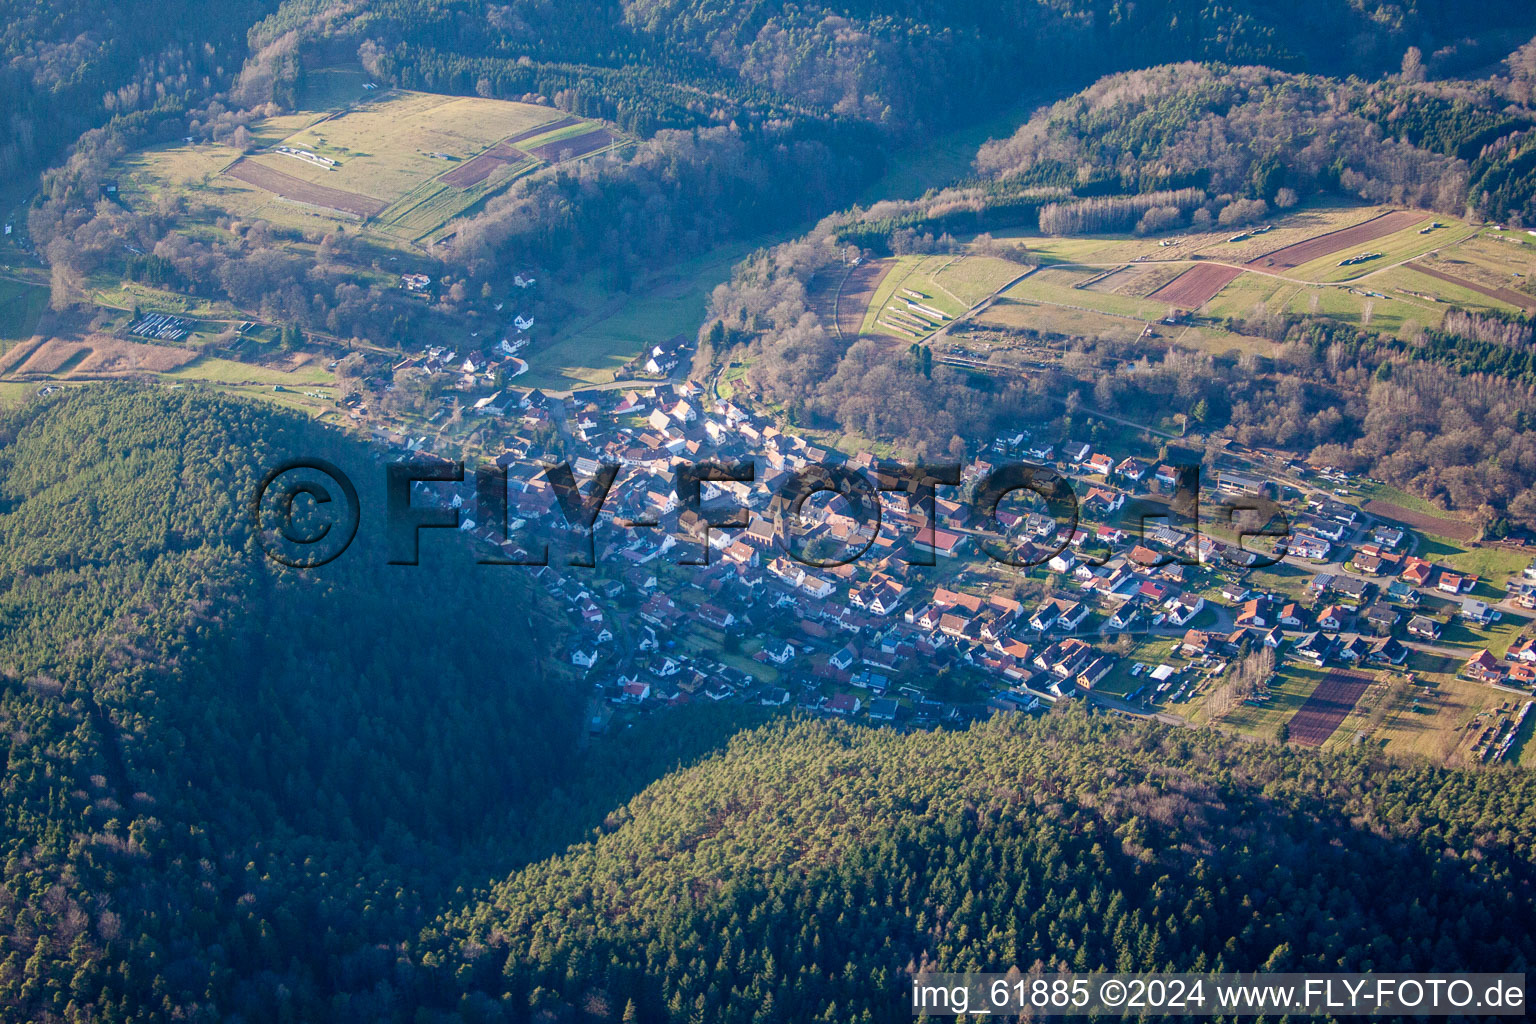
(844, 704)
(1382, 617)
(1127, 613)
(1387, 650)
(1101, 501)
(1332, 618)
(1424, 628)
(1255, 612)
(1234, 592)
(1387, 536)
(944, 543)
(1198, 642)
(1352, 649)
(1477, 611)
(1096, 670)
(1183, 608)
(774, 697)
(1062, 562)
(1416, 571)
(816, 586)
(1306, 545)
(1523, 649)
(778, 651)
(1329, 529)
(1351, 592)
(1314, 648)
(1483, 667)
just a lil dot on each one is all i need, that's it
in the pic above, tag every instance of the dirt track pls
(1329, 705)
(1196, 286)
(299, 190)
(1334, 241)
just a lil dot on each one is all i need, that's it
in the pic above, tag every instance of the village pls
(1132, 606)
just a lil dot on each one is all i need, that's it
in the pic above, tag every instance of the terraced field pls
(407, 163)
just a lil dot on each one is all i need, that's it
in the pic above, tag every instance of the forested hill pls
(905, 66)
(802, 874)
(227, 783)
(70, 65)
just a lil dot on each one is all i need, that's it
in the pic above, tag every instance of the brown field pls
(483, 166)
(855, 293)
(1508, 295)
(1344, 238)
(1452, 529)
(1329, 705)
(99, 355)
(1196, 286)
(300, 191)
(580, 145)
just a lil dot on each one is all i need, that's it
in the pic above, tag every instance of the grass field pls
(1056, 286)
(1288, 691)
(1494, 259)
(21, 305)
(1220, 342)
(227, 371)
(96, 355)
(1437, 728)
(1019, 314)
(1491, 563)
(1384, 312)
(13, 393)
(599, 344)
(127, 294)
(1407, 280)
(970, 279)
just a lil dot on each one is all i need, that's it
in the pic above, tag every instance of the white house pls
(1183, 608)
